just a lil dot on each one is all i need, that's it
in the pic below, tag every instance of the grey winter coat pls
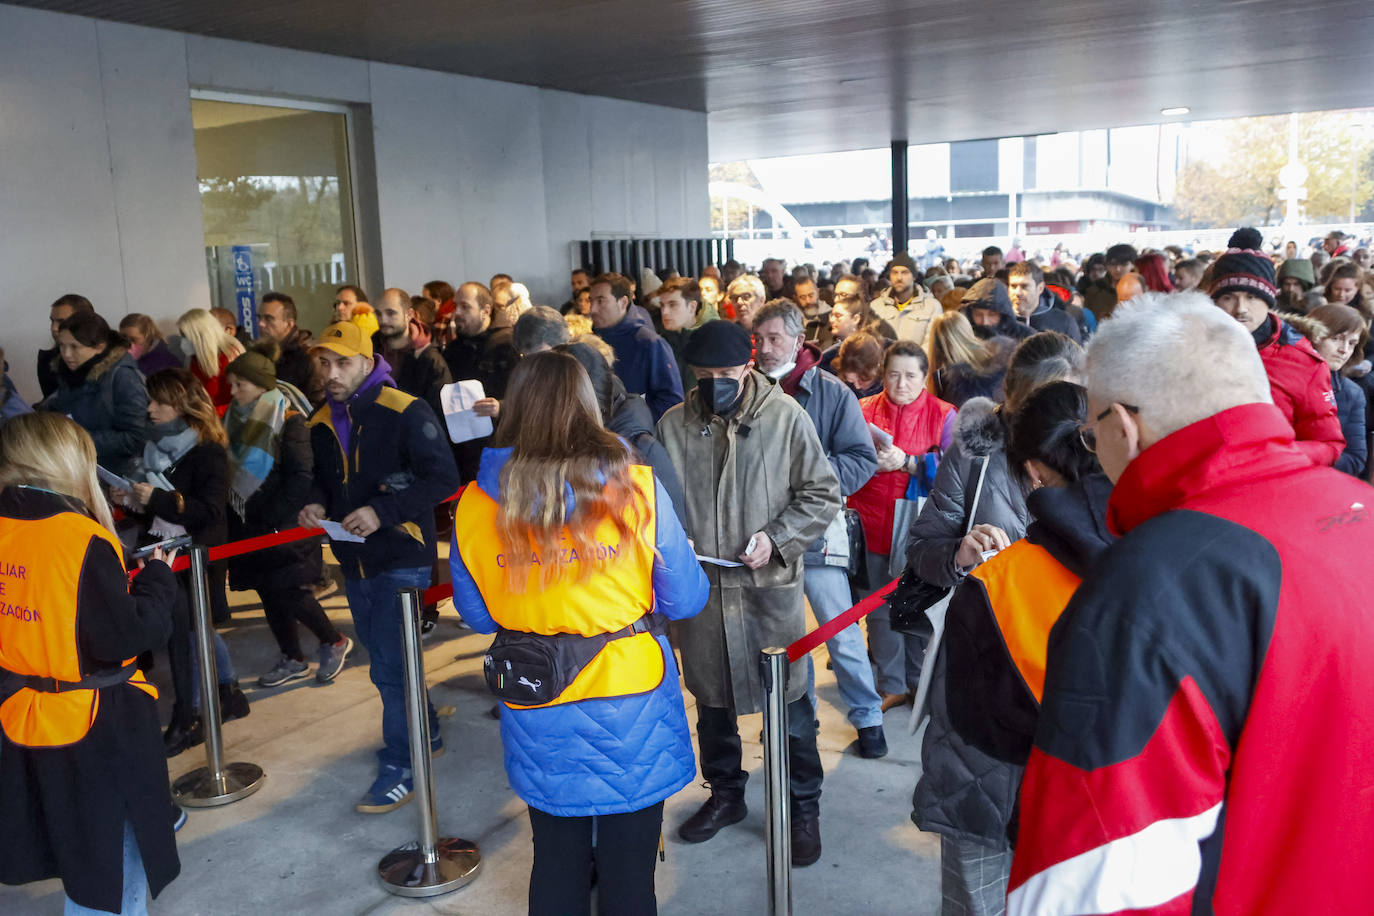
(107, 399)
(937, 531)
(844, 437)
(763, 469)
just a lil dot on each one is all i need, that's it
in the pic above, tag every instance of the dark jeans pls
(284, 607)
(623, 849)
(377, 623)
(722, 757)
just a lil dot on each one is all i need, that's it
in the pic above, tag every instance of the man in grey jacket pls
(781, 353)
(759, 492)
(905, 304)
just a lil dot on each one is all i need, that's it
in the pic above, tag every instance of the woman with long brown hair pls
(184, 489)
(573, 555)
(83, 781)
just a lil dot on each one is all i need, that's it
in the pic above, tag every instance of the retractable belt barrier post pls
(778, 839)
(216, 783)
(435, 865)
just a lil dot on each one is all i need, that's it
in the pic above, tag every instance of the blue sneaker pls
(391, 789)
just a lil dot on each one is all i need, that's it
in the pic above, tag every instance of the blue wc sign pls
(245, 301)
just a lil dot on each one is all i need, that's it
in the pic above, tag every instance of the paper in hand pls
(337, 532)
(717, 561)
(111, 479)
(457, 399)
(881, 437)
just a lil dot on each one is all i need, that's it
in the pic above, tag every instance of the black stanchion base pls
(198, 789)
(404, 871)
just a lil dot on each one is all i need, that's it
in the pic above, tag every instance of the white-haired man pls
(745, 295)
(1205, 732)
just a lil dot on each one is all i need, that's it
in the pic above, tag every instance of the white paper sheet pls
(337, 532)
(457, 399)
(111, 479)
(717, 561)
(881, 437)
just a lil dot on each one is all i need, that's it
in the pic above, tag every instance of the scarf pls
(167, 444)
(254, 442)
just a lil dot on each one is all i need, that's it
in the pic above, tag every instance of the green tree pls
(1242, 185)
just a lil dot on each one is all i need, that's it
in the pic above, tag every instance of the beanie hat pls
(1299, 269)
(1246, 238)
(254, 367)
(718, 344)
(902, 259)
(1244, 271)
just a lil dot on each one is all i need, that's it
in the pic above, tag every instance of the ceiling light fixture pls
(1170, 112)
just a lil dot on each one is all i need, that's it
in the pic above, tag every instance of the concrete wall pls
(466, 177)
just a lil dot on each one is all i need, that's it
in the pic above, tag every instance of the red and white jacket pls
(1206, 737)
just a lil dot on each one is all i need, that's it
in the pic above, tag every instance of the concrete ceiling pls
(780, 77)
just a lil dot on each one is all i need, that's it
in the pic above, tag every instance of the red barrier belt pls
(436, 593)
(819, 635)
(276, 539)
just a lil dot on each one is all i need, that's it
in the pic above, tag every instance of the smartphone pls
(172, 543)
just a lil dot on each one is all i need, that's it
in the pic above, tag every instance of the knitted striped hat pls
(1244, 270)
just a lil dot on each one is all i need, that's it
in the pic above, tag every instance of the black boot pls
(806, 839)
(186, 731)
(720, 810)
(232, 703)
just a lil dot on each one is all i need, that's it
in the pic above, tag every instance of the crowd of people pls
(1126, 497)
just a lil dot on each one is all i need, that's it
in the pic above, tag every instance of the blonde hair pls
(952, 341)
(49, 450)
(209, 340)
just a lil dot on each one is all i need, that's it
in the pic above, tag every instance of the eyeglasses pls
(1088, 435)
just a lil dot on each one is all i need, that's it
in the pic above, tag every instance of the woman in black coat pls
(272, 467)
(93, 810)
(186, 451)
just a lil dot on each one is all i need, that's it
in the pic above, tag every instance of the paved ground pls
(297, 846)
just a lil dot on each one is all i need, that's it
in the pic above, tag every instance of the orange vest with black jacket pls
(40, 571)
(613, 596)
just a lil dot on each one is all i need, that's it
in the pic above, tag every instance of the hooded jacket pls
(385, 449)
(606, 755)
(937, 531)
(990, 671)
(1300, 382)
(107, 399)
(993, 296)
(644, 361)
(761, 469)
(1205, 723)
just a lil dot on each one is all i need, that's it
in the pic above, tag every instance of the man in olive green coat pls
(759, 491)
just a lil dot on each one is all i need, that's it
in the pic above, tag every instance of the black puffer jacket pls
(992, 296)
(982, 714)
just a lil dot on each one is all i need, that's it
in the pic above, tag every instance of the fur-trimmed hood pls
(104, 363)
(979, 430)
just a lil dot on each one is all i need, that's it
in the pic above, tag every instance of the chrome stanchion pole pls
(216, 783)
(776, 795)
(435, 865)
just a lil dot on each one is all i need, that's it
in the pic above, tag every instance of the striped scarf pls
(254, 440)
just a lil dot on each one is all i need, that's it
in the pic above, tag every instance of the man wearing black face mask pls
(759, 491)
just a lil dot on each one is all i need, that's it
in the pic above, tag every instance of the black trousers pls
(623, 847)
(179, 643)
(722, 757)
(284, 607)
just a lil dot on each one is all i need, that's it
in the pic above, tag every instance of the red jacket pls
(916, 428)
(218, 386)
(1300, 382)
(1205, 739)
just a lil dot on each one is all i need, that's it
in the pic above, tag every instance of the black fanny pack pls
(11, 683)
(533, 669)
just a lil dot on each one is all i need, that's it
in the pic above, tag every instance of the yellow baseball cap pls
(346, 339)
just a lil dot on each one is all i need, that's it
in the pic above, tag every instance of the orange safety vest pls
(40, 568)
(612, 597)
(1027, 590)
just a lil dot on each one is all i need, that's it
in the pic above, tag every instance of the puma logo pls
(532, 685)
